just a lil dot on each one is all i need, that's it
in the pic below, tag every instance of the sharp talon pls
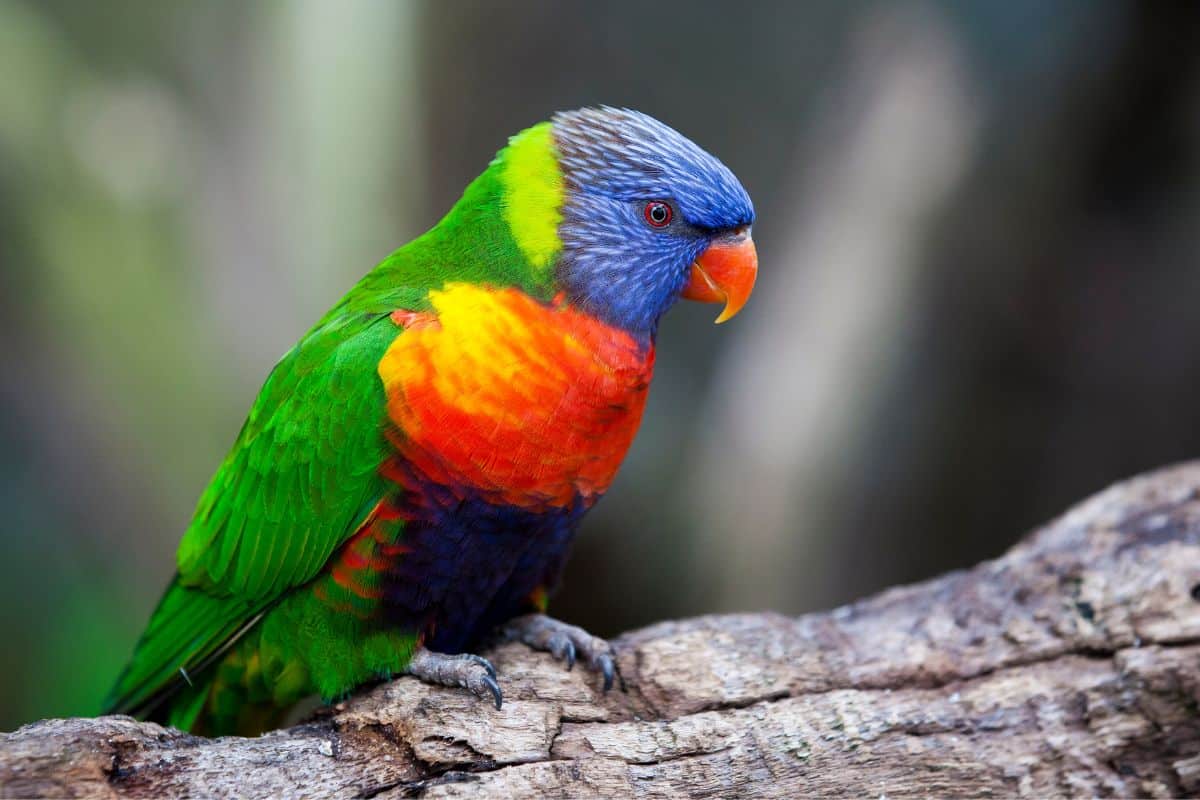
(606, 666)
(569, 655)
(483, 662)
(494, 688)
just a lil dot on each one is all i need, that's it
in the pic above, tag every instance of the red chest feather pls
(529, 404)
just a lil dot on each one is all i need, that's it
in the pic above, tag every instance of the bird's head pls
(627, 216)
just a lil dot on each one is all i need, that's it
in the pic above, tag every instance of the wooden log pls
(1068, 667)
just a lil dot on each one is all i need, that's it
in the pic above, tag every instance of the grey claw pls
(607, 669)
(569, 655)
(561, 647)
(494, 688)
(565, 642)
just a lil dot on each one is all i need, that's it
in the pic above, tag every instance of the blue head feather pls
(613, 264)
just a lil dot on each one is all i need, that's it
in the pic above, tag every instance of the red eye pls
(657, 213)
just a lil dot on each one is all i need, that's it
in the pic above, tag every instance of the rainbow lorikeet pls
(413, 471)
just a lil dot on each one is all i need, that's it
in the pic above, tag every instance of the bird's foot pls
(564, 642)
(470, 672)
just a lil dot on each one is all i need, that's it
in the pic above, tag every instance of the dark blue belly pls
(470, 565)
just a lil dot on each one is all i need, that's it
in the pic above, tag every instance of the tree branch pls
(1066, 667)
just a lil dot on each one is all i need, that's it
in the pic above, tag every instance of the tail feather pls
(187, 632)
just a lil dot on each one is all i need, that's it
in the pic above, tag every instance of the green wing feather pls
(300, 478)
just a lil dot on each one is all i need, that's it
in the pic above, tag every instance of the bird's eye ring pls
(658, 214)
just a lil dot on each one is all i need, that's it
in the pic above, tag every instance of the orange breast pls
(528, 404)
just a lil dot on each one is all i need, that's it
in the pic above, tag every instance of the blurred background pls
(979, 231)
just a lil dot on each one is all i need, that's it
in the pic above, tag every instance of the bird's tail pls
(170, 671)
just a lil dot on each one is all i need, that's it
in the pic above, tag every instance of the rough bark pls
(1066, 667)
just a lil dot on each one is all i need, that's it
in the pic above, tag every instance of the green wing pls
(300, 478)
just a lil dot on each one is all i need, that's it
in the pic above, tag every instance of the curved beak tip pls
(724, 273)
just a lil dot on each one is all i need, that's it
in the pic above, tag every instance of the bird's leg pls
(470, 672)
(565, 642)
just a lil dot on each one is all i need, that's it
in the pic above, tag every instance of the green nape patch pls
(533, 194)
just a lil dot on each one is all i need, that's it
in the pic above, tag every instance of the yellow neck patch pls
(533, 194)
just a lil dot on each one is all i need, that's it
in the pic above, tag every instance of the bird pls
(410, 478)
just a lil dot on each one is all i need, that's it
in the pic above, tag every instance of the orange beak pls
(724, 273)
